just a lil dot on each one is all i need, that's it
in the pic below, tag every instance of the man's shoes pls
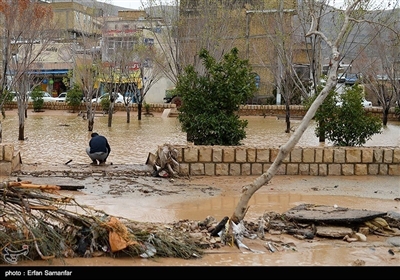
(101, 162)
(94, 162)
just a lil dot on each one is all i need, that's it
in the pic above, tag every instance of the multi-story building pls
(263, 31)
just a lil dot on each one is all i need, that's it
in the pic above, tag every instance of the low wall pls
(10, 160)
(296, 111)
(315, 161)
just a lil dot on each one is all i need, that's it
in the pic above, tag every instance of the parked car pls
(364, 102)
(119, 99)
(14, 95)
(341, 78)
(61, 97)
(45, 95)
(131, 96)
(351, 79)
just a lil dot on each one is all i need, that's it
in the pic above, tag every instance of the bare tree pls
(350, 17)
(150, 72)
(185, 27)
(86, 55)
(380, 69)
(28, 30)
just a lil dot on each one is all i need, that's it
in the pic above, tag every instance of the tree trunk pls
(287, 109)
(322, 132)
(110, 113)
(248, 191)
(90, 118)
(21, 126)
(385, 115)
(128, 114)
(139, 111)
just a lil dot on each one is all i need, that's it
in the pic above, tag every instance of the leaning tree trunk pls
(248, 191)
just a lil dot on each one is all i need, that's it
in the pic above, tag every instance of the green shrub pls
(348, 124)
(38, 102)
(211, 101)
(105, 103)
(74, 97)
(397, 112)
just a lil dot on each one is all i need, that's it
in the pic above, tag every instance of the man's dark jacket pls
(99, 144)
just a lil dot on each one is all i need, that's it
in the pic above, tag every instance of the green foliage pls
(37, 97)
(6, 96)
(74, 97)
(105, 103)
(170, 93)
(397, 112)
(146, 107)
(210, 102)
(348, 124)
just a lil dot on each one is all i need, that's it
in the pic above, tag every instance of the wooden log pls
(38, 207)
(71, 187)
(29, 185)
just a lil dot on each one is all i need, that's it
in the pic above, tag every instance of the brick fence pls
(315, 161)
(296, 111)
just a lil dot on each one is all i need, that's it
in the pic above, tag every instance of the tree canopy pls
(210, 102)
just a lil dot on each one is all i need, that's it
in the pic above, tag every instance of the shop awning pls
(49, 72)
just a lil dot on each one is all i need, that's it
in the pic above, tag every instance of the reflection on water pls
(59, 138)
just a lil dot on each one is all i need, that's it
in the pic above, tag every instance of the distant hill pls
(111, 10)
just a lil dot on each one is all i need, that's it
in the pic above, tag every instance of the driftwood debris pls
(48, 225)
(28, 184)
(165, 161)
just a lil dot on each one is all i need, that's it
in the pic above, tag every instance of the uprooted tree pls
(355, 13)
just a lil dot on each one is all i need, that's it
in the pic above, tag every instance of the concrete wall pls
(315, 161)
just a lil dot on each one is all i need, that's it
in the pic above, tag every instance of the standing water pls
(61, 136)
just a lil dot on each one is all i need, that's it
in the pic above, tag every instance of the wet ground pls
(154, 199)
(121, 190)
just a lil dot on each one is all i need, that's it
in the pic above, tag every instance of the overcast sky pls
(131, 4)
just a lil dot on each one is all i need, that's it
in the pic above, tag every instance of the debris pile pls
(36, 222)
(165, 161)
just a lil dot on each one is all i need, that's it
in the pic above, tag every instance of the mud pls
(153, 199)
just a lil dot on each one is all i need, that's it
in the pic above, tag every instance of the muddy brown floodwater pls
(55, 136)
(154, 199)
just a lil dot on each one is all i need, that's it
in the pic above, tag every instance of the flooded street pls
(59, 138)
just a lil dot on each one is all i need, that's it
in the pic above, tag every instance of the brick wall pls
(315, 161)
(296, 111)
